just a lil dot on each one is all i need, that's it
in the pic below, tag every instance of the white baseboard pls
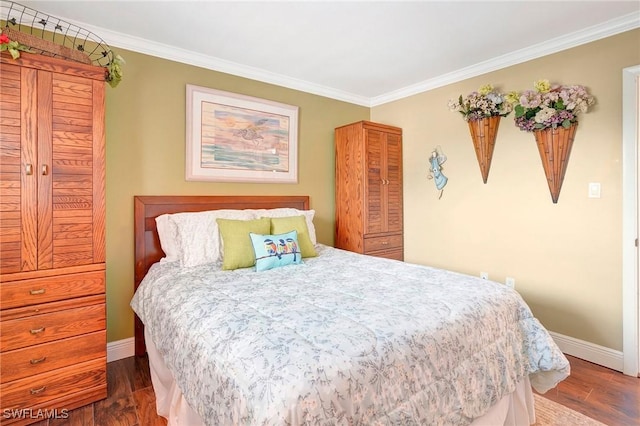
(120, 349)
(589, 351)
(575, 347)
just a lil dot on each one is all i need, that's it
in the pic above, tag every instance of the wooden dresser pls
(369, 189)
(52, 237)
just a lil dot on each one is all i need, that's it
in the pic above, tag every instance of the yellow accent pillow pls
(237, 249)
(281, 225)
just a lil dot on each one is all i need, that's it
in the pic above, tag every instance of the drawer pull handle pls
(36, 292)
(384, 243)
(37, 391)
(37, 330)
(38, 361)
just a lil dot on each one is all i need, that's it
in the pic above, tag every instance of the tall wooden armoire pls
(52, 237)
(369, 189)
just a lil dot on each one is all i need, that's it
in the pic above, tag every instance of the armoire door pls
(52, 170)
(383, 186)
(375, 200)
(393, 187)
(18, 185)
(71, 200)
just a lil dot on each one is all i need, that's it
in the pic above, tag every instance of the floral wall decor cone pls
(554, 146)
(551, 113)
(483, 135)
(482, 110)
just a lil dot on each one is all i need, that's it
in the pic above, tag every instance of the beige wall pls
(146, 156)
(565, 257)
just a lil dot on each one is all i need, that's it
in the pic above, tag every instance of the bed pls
(339, 338)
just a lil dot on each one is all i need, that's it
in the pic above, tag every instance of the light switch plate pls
(594, 189)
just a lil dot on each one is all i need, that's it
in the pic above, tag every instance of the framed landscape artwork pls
(237, 138)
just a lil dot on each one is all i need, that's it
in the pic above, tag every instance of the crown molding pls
(596, 32)
(136, 44)
(172, 53)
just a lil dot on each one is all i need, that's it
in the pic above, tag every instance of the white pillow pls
(199, 237)
(286, 212)
(168, 234)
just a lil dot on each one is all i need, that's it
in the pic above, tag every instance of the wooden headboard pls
(147, 243)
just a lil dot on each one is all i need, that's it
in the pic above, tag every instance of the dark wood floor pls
(600, 393)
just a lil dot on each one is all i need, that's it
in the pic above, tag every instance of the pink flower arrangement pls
(549, 106)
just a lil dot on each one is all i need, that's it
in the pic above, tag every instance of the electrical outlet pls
(510, 282)
(484, 275)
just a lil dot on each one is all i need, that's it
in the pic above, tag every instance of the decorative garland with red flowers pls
(13, 47)
(113, 73)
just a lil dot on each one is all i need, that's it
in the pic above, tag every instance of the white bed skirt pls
(516, 409)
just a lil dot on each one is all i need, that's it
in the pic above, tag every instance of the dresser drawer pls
(49, 289)
(382, 243)
(46, 308)
(37, 359)
(396, 254)
(34, 390)
(37, 329)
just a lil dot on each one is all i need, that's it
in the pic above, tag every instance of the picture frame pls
(237, 138)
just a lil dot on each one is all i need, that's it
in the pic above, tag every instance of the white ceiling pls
(366, 53)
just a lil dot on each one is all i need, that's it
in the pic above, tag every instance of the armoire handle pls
(37, 360)
(28, 169)
(45, 170)
(37, 391)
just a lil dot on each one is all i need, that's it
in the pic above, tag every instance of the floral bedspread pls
(343, 339)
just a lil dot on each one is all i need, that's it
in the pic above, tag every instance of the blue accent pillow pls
(274, 251)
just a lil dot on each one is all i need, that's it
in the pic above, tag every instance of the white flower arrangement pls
(486, 102)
